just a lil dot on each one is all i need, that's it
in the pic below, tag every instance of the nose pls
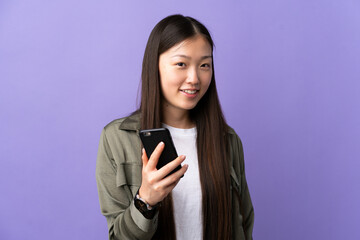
(193, 76)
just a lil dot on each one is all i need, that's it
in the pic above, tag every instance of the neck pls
(177, 118)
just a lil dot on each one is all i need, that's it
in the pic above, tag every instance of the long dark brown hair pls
(212, 143)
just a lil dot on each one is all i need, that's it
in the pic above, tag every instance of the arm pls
(247, 209)
(116, 202)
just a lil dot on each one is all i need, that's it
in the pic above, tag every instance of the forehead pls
(193, 45)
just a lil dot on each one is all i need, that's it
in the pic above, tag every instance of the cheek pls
(206, 80)
(170, 79)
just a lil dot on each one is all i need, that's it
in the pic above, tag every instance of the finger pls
(144, 158)
(165, 170)
(173, 178)
(172, 186)
(169, 188)
(154, 158)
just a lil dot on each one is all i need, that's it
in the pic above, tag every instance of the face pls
(185, 73)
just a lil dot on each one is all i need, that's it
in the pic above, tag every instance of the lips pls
(188, 91)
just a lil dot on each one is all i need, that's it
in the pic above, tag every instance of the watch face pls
(141, 206)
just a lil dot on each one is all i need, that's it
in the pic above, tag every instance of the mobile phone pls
(150, 138)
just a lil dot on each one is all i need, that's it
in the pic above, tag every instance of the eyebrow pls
(184, 56)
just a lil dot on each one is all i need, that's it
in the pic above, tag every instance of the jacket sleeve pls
(116, 202)
(247, 209)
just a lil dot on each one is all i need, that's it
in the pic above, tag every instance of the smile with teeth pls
(189, 91)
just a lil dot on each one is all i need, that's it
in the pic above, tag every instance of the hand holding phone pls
(156, 183)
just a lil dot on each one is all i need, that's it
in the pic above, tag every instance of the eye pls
(180, 64)
(205, 65)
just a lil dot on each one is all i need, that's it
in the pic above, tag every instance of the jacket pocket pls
(128, 174)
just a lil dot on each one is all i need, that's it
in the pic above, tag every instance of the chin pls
(189, 107)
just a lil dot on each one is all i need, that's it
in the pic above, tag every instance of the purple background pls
(288, 74)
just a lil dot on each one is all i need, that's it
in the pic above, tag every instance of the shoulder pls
(114, 124)
(121, 138)
(234, 138)
(122, 131)
(131, 122)
(231, 131)
(236, 146)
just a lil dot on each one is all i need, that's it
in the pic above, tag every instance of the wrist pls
(148, 206)
(144, 208)
(144, 197)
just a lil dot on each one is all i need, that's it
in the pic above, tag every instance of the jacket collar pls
(131, 122)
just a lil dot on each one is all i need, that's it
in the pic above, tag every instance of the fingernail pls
(161, 143)
(182, 157)
(142, 150)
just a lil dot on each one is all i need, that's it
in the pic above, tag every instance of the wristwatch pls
(144, 208)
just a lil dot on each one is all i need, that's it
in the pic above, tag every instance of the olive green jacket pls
(118, 175)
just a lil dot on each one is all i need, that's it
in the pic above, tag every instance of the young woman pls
(211, 200)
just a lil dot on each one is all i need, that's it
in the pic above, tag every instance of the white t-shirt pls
(187, 196)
